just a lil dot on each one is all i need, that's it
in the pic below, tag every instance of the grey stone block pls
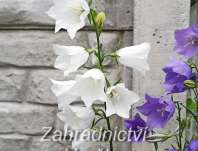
(33, 12)
(34, 48)
(25, 119)
(11, 84)
(14, 142)
(37, 145)
(39, 86)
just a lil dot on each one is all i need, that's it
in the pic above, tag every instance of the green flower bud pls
(100, 19)
(190, 84)
(192, 65)
(157, 138)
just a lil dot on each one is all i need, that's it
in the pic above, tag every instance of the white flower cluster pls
(91, 87)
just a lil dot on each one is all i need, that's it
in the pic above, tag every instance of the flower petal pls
(90, 87)
(135, 57)
(77, 117)
(70, 58)
(61, 91)
(120, 100)
(70, 17)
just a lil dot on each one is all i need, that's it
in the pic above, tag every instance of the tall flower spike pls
(135, 57)
(90, 87)
(61, 91)
(120, 100)
(69, 15)
(70, 58)
(77, 117)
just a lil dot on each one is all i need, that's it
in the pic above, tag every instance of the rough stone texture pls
(25, 119)
(14, 142)
(26, 65)
(38, 86)
(34, 48)
(37, 145)
(11, 84)
(155, 21)
(33, 12)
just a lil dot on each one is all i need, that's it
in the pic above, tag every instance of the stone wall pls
(27, 58)
(26, 64)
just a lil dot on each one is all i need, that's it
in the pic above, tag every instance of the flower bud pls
(192, 65)
(157, 138)
(100, 19)
(190, 84)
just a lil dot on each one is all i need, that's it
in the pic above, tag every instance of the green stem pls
(156, 146)
(194, 115)
(100, 60)
(180, 127)
(109, 128)
(98, 42)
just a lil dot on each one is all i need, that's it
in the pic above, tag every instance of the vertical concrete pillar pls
(155, 21)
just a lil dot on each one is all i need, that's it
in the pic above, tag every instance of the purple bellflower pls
(176, 73)
(193, 146)
(138, 128)
(187, 41)
(172, 149)
(157, 110)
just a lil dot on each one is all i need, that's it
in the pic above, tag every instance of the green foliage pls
(191, 105)
(193, 2)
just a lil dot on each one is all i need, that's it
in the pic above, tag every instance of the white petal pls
(110, 107)
(61, 91)
(135, 57)
(120, 100)
(90, 86)
(70, 116)
(70, 58)
(69, 15)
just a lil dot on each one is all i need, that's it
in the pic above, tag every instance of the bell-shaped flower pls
(120, 100)
(69, 15)
(61, 91)
(77, 117)
(187, 41)
(139, 128)
(177, 72)
(157, 110)
(70, 58)
(135, 57)
(90, 87)
(193, 146)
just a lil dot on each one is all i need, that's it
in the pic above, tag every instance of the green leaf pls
(90, 18)
(94, 13)
(191, 105)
